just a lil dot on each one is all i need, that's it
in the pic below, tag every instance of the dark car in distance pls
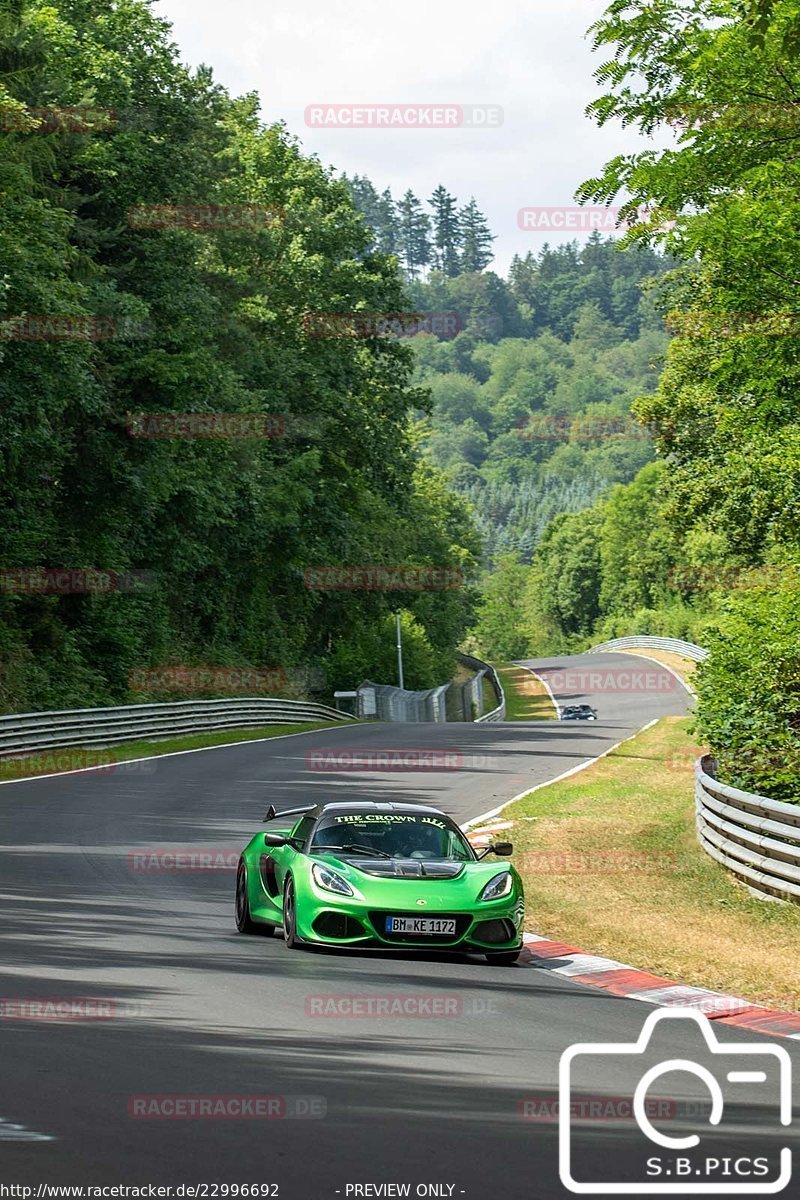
(578, 712)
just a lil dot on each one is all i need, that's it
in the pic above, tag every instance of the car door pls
(275, 863)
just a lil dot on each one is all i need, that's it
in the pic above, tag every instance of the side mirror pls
(276, 839)
(502, 848)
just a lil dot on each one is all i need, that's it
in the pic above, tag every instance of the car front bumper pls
(495, 925)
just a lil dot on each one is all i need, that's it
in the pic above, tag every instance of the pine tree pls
(415, 226)
(476, 238)
(446, 232)
(387, 230)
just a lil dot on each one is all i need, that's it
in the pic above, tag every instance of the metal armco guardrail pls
(643, 642)
(475, 664)
(23, 732)
(756, 838)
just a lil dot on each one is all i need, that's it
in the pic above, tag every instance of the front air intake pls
(494, 932)
(338, 925)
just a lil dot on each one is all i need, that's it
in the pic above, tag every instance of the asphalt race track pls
(192, 1009)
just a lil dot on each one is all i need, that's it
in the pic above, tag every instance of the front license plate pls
(421, 925)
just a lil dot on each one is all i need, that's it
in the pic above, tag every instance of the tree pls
(414, 235)
(564, 584)
(500, 625)
(476, 238)
(726, 75)
(635, 570)
(725, 411)
(386, 227)
(446, 231)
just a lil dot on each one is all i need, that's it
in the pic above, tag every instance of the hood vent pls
(406, 868)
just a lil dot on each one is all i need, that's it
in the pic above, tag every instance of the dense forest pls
(532, 398)
(114, 305)
(532, 402)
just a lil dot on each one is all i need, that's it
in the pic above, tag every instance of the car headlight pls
(500, 886)
(330, 880)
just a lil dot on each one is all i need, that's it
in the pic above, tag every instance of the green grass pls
(46, 762)
(489, 695)
(612, 865)
(526, 696)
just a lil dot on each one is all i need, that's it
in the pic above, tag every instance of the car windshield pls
(392, 835)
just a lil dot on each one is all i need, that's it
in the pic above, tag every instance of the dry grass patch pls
(612, 865)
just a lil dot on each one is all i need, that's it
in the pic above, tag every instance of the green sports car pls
(386, 876)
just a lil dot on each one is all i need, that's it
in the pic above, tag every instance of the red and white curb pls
(621, 980)
(485, 835)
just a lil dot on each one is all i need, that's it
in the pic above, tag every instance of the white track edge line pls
(543, 681)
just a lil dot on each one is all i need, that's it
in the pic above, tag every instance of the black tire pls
(244, 922)
(505, 958)
(290, 917)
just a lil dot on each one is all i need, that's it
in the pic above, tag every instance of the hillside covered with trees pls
(531, 400)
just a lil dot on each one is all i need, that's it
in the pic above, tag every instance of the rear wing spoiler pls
(272, 813)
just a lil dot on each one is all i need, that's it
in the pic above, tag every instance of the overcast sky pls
(534, 61)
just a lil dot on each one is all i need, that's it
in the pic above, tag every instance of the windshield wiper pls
(357, 847)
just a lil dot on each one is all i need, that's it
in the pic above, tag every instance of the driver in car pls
(422, 842)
